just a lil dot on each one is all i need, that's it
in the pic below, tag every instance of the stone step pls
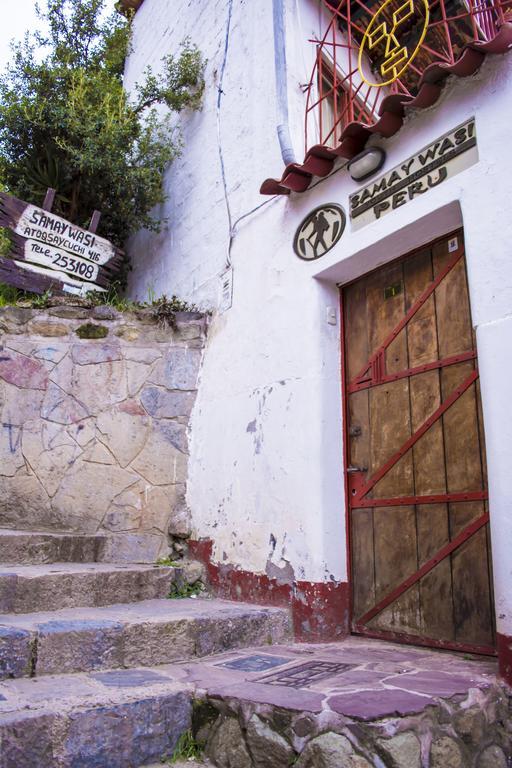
(30, 588)
(354, 703)
(117, 719)
(22, 547)
(37, 548)
(131, 635)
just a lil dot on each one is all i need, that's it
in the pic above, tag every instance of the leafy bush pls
(67, 123)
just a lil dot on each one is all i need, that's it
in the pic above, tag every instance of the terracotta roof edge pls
(297, 177)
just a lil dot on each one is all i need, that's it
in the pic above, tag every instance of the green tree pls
(67, 123)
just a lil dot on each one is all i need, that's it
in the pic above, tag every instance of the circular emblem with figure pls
(319, 232)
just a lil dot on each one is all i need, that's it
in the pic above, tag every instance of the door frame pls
(389, 635)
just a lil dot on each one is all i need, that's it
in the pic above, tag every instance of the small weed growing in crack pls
(187, 748)
(180, 591)
(167, 561)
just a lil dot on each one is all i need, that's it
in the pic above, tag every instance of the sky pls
(16, 20)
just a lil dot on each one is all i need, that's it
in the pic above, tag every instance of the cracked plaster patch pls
(125, 511)
(25, 347)
(281, 572)
(162, 404)
(147, 508)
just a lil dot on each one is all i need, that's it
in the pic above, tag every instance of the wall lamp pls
(366, 163)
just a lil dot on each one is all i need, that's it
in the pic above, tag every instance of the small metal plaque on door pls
(393, 290)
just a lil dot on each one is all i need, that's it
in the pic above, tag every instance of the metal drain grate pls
(304, 675)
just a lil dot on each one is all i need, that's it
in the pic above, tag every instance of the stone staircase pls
(80, 644)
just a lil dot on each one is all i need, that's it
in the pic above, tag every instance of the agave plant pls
(43, 172)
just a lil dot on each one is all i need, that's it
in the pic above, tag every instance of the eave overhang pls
(319, 159)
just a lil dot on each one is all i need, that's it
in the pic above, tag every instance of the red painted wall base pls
(504, 643)
(319, 609)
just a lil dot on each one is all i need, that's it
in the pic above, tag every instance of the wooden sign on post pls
(50, 253)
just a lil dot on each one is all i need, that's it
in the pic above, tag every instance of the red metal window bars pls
(377, 57)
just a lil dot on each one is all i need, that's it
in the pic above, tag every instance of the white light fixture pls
(366, 163)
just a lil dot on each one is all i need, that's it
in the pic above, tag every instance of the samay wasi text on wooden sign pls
(57, 254)
(431, 166)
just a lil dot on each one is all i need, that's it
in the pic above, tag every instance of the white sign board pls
(44, 227)
(76, 287)
(38, 253)
(440, 160)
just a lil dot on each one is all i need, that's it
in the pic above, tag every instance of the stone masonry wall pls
(93, 434)
(465, 731)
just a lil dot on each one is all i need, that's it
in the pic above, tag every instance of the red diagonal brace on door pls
(374, 369)
(366, 488)
(463, 536)
(415, 371)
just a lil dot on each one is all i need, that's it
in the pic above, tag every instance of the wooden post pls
(49, 199)
(95, 220)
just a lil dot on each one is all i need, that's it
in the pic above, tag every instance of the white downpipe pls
(283, 128)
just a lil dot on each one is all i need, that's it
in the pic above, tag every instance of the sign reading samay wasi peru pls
(431, 166)
(50, 253)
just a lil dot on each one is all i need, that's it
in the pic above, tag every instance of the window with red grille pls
(349, 99)
(338, 95)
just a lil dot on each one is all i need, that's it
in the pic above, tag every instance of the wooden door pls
(416, 473)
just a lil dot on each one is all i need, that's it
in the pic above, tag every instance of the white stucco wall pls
(191, 250)
(266, 467)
